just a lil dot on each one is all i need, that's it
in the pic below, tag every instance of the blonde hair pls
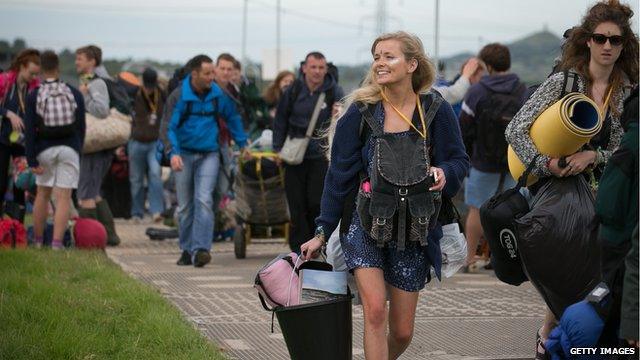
(421, 79)
(369, 92)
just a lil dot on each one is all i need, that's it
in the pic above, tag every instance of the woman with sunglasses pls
(603, 52)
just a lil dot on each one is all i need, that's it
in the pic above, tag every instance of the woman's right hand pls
(558, 171)
(311, 249)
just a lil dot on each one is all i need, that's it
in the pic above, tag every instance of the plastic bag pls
(453, 246)
(335, 256)
(559, 251)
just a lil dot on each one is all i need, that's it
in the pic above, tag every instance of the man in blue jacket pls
(195, 158)
(304, 182)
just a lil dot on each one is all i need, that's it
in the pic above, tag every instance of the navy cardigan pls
(349, 156)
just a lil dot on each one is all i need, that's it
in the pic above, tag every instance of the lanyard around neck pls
(603, 111)
(153, 104)
(422, 133)
(20, 98)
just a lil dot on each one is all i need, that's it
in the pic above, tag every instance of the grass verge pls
(80, 305)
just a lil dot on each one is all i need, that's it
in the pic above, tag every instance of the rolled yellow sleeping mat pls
(560, 130)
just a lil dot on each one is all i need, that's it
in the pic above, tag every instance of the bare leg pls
(41, 210)
(473, 232)
(550, 322)
(88, 203)
(61, 216)
(372, 291)
(402, 313)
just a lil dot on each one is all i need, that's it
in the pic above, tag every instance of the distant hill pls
(531, 57)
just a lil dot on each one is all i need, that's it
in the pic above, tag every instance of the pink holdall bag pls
(277, 282)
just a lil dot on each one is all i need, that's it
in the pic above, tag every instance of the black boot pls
(105, 217)
(86, 213)
(185, 259)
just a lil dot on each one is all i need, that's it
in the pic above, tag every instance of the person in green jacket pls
(630, 303)
(617, 214)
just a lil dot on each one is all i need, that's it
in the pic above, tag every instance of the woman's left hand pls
(579, 161)
(440, 179)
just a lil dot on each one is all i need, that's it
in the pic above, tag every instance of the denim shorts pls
(407, 270)
(481, 186)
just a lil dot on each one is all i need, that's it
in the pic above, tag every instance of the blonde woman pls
(399, 150)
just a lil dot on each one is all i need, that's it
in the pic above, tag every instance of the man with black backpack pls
(487, 109)
(193, 133)
(94, 166)
(305, 110)
(54, 134)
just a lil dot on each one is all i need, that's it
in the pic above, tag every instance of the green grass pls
(79, 305)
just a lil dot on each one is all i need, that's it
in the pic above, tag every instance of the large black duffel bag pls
(497, 216)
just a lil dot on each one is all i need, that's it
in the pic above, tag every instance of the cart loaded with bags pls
(260, 200)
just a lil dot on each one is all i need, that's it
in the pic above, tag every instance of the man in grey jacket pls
(94, 166)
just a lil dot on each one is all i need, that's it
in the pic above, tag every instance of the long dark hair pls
(272, 93)
(576, 54)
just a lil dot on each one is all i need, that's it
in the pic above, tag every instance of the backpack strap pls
(188, 111)
(296, 87)
(431, 112)
(365, 112)
(569, 83)
(350, 200)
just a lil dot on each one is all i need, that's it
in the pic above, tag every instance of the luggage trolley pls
(260, 199)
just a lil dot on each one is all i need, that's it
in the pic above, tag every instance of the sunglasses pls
(600, 39)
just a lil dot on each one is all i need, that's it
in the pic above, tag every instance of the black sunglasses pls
(615, 40)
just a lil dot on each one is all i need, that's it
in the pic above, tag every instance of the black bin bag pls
(558, 249)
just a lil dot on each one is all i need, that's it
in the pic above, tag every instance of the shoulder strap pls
(522, 181)
(296, 87)
(186, 113)
(315, 114)
(569, 83)
(431, 113)
(366, 115)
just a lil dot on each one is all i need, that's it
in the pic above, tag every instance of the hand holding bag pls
(293, 150)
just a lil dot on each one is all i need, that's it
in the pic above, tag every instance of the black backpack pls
(493, 115)
(161, 153)
(118, 96)
(176, 79)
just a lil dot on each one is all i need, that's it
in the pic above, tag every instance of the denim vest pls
(399, 206)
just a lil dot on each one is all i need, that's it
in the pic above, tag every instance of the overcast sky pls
(342, 29)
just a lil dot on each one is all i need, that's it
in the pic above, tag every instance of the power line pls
(70, 6)
(308, 16)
